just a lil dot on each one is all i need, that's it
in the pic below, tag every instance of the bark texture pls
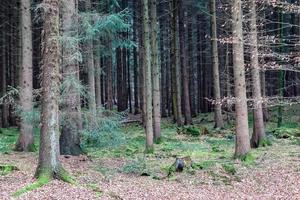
(258, 123)
(242, 146)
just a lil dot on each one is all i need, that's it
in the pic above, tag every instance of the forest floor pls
(125, 172)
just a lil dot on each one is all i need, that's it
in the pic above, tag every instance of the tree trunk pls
(215, 67)
(184, 62)
(91, 69)
(25, 141)
(258, 122)
(175, 63)
(242, 146)
(49, 165)
(155, 72)
(148, 78)
(70, 136)
(98, 91)
(109, 75)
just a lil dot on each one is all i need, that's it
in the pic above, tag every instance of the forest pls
(149, 99)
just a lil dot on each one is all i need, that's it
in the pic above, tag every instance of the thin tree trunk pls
(184, 62)
(258, 122)
(148, 78)
(109, 75)
(215, 68)
(242, 146)
(175, 63)
(91, 69)
(155, 72)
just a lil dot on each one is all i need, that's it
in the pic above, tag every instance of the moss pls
(247, 159)
(65, 176)
(41, 181)
(32, 148)
(158, 140)
(229, 168)
(149, 150)
(204, 165)
(265, 142)
(7, 169)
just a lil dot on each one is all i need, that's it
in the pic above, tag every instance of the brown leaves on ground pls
(276, 175)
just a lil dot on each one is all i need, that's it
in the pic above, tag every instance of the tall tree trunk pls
(215, 67)
(70, 136)
(98, 92)
(148, 77)
(242, 146)
(155, 72)
(175, 63)
(135, 60)
(49, 165)
(91, 68)
(4, 107)
(25, 141)
(184, 62)
(109, 75)
(258, 122)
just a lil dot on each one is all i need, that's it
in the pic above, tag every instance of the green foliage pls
(287, 131)
(204, 165)
(136, 166)
(105, 132)
(7, 169)
(229, 168)
(193, 130)
(8, 138)
(248, 159)
(265, 142)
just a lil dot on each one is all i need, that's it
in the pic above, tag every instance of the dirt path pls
(276, 175)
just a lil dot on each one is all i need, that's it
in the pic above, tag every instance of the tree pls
(89, 52)
(184, 62)
(72, 125)
(155, 72)
(148, 77)
(49, 165)
(242, 146)
(175, 64)
(215, 67)
(26, 139)
(258, 123)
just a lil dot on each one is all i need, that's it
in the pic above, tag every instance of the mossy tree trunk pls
(49, 165)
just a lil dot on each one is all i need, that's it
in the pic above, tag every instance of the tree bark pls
(70, 136)
(91, 69)
(148, 78)
(242, 146)
(215, 68)
(155, 72)
(184, 62)
(49, 165)
(175, 63)
(26, 139)
(258, 123)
